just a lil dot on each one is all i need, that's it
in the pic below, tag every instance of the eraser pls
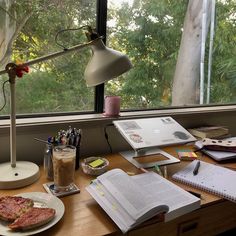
(187, 156)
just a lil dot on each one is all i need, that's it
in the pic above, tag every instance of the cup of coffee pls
(112, 106)
(63, 167)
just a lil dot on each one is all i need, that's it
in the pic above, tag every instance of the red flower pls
(20, 70)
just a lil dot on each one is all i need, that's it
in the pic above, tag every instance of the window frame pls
(101, 28)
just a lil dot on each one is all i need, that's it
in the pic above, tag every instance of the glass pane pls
(56, 85)
(149, 32)
(223, 85)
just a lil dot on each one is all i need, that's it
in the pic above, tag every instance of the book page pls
(111, 206)
(159, 188)
(125, 190)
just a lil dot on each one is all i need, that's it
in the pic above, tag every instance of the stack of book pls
(209, 131)
(217, 155)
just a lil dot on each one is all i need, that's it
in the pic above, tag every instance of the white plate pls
(41, 200)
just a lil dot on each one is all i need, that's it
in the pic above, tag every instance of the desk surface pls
(84, 216)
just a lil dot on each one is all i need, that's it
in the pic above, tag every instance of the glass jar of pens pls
(71, 137)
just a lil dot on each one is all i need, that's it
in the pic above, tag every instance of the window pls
(148, 31)
(56, 85)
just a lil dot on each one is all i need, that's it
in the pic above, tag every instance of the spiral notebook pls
(212, 178)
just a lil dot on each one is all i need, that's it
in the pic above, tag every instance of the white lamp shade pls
(105, 64)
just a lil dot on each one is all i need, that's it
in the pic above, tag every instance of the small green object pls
(96, 163)
(158, 170)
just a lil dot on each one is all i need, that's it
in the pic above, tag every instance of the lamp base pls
(25, 173)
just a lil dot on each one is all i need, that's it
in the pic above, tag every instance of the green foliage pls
(56, 85)
(149, 32)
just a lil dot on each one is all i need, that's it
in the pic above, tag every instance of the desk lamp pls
(104, 65)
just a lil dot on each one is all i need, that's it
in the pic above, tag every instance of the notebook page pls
(215, 179)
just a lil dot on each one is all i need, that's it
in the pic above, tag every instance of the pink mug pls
(112, 106)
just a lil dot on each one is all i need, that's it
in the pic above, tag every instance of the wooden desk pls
(83, 216)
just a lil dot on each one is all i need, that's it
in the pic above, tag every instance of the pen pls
(43, 141)
(196, 168)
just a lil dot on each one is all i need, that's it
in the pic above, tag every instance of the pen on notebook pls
(196, 168)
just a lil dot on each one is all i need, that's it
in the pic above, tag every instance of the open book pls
(131, 200)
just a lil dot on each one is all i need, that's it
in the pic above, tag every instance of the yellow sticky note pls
(96, 163)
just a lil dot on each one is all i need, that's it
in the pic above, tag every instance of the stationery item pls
(131, 200)
(158, 170)
(196, 168)
(217, 155)
(209, 131)
(212, 178)
(95, 165)
(187, 156)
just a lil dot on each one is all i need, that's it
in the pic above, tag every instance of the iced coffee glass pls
(63, 167)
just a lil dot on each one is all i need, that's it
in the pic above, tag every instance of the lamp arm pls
(55, 54)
